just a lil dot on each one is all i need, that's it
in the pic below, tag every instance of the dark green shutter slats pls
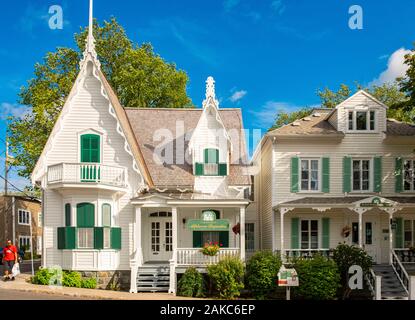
(378, 174)
(90, 148)
(398, 175)
(347, 171)
(399, 233)
(326, 175)
(223, 169)
(116, 238)
(197, 239)
(199, 169)
(68, 215)
(224, 239)
(66, 238)
(99, 238)
(85, 215)
(326, 233)
(211, 156)
(294, 174)
(295, 240)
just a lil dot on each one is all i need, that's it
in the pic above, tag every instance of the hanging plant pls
(211, 249)
(346, 231)
(236, 228)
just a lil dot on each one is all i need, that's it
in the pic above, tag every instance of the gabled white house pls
(134, 193)
(339, 175)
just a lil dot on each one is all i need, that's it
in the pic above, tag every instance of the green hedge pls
(191, 284)
(57, 277)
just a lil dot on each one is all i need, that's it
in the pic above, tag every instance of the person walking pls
(9, 259)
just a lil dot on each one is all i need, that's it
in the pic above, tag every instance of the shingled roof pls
(146, 121)
(397, 128)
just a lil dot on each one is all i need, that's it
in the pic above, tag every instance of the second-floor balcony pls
(86, 174)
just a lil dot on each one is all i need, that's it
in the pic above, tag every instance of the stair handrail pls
(400, 271)
(375, 284)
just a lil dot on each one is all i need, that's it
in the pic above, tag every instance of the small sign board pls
(288, 277)
(376, 202)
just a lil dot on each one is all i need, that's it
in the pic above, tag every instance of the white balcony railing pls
(74, 173)
(194, 257)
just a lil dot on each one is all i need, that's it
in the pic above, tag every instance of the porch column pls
(390, 237)
(242, 232)
(360, 229)
(282, 212)
(138, 252)
(173, 261)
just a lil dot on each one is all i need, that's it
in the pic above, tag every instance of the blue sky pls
(265, 55)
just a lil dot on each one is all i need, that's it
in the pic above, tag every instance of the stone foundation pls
(110, 280)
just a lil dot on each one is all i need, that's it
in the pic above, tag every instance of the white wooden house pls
(121, 186)
(339, 175)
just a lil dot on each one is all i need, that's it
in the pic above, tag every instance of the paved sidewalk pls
(21, 284)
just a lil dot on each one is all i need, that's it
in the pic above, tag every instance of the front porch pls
(169, 233)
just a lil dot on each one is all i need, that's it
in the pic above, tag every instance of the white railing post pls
(172, 285)
(378, 287)
(411, 288)
(242, 233)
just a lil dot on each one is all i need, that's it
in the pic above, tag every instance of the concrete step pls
(392, 288)
(153, 277)
(150, 289)
(153, 283)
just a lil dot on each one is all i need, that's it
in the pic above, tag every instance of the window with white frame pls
(409, 233)
(310, 172)
(23, 217)
(249, 237)
(39, 219)
(361, 175)
(85, 238)
(24, 242)
(408, 175)
(361, 120)
(309, 234)
(107, 238)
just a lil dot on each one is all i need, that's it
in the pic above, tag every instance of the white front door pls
(161, 239)
(370, 238)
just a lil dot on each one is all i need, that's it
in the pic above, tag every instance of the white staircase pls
(153, 278)
(392, 288)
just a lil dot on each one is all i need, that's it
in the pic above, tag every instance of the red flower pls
(221, 245)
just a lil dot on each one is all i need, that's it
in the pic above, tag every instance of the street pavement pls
(7, 294)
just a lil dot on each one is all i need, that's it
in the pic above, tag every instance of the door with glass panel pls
(161, 239)
(371, 238)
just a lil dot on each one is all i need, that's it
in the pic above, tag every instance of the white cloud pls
(396, 68)
(13, 110)
(238, 95)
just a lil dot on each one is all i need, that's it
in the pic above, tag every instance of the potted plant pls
(346, 231)
(211, 248)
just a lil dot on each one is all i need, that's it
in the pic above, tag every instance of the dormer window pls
(211, 165)
(361, 120)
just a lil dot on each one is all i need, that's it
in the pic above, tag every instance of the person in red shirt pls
(9, 259)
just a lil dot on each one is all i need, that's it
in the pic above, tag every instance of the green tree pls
(140, 77)
(330, 99)
(407, 85)
(283, 118)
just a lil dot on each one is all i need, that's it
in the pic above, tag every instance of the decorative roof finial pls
(210, 88)
(90, 40)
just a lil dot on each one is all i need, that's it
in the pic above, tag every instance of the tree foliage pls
(140, 77)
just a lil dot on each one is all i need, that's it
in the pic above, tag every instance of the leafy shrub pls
(319, 278)
(191, 284)
(262, 273)
(47, 276)
(346, 256)
(89, 283)
(227, 276)
(72, 279)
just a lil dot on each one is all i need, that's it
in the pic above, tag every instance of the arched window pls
(106, 215)
(68, 215)
(160, 214)
(90, 148)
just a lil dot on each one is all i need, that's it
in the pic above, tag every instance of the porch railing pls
(405, 255)
(306, 253)
(194, 257)
(87, 173)
(400, 271)
(375, 284)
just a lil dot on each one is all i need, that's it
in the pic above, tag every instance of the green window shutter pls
(116, 238)
(211, 156)
(199, 169)
(90, 148)
(398, 175)
(224, 239)
(399, 233)
(294, 174)
(68, 215)
(99, 238)
(378, 174)
(223, 169)
(66, 238)
(326, 233)
(347, 174)
(197, 239)
(85, 215)
(326, 175)
(295, 240)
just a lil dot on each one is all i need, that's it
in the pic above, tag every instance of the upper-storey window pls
(408, 175)
(361, 175)
(211, 165)
(90, 148)
(361, 120)
(310, 172)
